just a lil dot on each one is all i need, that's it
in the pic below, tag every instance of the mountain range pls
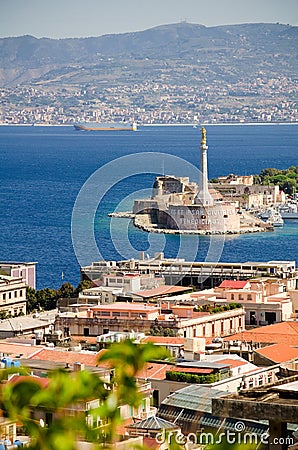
(229, 52)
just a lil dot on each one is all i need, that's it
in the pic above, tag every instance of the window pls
(48, 418)
(4, 298)
(15, 294)
(232, 297)
(21, 293)
(86, 331)
(66, 331)
(104, 313)
(249, 297)
(9, 295)
(155, 398)
(116, 314)
(11, 431)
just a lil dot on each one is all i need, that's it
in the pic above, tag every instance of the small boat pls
(289, 211)
(275, 218)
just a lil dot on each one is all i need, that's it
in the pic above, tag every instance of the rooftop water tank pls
(7, 362)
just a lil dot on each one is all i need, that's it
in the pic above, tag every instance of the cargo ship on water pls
(98, 126)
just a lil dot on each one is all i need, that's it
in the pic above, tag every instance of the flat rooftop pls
(125, 306)
(277, 401)
(161, 290)
(290, 387)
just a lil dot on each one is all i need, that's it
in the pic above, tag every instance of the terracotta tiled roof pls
(43, 382)
(164, 340)
(233, 284)
(279, 353)
(87, 339)
(13, 350)
(278, 333)
(232, 362)
(89, 359)
(155, 370)
(161, 291)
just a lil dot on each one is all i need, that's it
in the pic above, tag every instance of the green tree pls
(84, 284)
(47, 298)
(64, 390)
(286, 179)
(66, 291)
(32, 301)
(289, 186)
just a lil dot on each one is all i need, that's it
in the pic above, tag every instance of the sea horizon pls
(43, 169)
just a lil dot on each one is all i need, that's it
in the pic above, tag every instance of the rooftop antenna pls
(163, 167)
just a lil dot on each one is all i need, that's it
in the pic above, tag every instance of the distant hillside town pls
(236, 73)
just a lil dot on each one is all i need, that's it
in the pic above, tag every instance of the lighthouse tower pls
(203, 197)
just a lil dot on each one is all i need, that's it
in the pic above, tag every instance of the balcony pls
(151, 412)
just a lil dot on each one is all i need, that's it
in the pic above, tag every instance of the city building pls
(246, 195)
(12, 296)
(265, 300)
(145, 318)
(200, 274)
(131, 282)
(25, 270)
(226, 372)
(276, 403)
(191, 409)
(85, 409)
(27, 326)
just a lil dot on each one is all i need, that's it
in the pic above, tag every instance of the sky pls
(83, 18)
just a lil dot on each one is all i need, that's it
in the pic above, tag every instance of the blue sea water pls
(42, 170)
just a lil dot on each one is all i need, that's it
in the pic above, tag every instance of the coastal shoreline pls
(196, 125)
(143, 222)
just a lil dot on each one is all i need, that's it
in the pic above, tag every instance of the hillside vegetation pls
(224, 53)
(286, 179)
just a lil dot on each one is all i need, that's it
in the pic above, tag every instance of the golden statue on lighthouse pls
(204, 136)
